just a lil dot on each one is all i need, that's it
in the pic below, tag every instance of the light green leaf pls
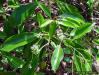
(40, 18)
(56, 58)
(45, 23)
(53, 44)
(18, 40)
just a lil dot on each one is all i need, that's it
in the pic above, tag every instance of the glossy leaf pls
(82, 30)
(67, 23)
(45, 23)
(75, 16)
(57, 57)
(18, 40)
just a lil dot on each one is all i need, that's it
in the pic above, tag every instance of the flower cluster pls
(35, 49)
(60, 34)
(4, 60)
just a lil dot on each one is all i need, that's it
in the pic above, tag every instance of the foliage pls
(67, 29)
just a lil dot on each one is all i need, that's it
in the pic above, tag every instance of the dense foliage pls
(63, 34)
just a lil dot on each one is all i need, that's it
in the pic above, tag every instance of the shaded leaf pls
(52, 29)
(13, 61)
(21, 13)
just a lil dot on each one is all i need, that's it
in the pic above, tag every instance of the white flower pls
(4, 60)
(60, 34)
(35, 49)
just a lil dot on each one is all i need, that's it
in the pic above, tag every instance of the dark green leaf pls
(30, 66)
(21, 13)
(2, 35)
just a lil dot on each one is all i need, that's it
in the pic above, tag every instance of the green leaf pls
(18, 40)
(2, 35)
(52, 29)
(2, 1)
(38, 73)
(67, 59)
(97, 30)
(75, 16)
(85, 54)
(53, 44)
(96, 41)
(40, 18)
(13, 4)
(66, 8)
(67, 23)
(82, 30)
(13, 61)
(94, 51)
(21, 13)
(45, 9)
(27, 52)
(77, 63)
(57, 57)
(30, 66)
(45, 23)
(67, 50)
